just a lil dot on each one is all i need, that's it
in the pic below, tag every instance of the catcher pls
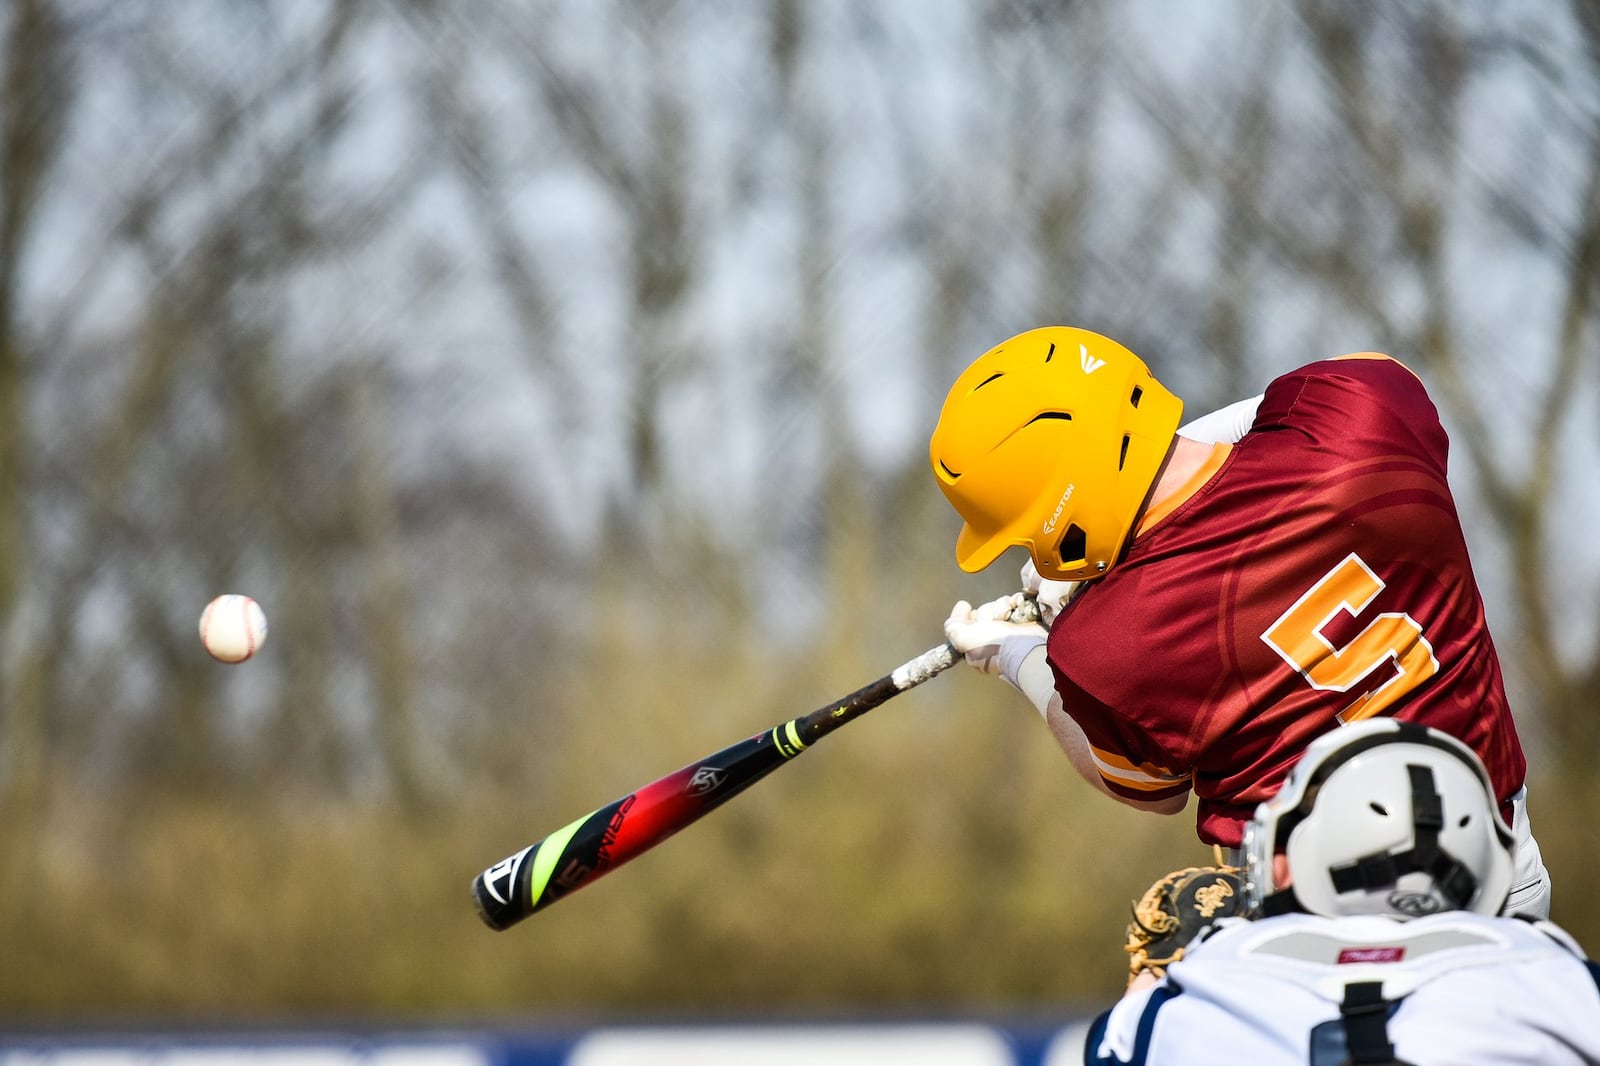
(1249, 583)
(1370, 930)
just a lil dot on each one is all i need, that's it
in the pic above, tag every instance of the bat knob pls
(497, 913)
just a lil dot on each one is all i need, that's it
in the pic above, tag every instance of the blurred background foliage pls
(558, 374)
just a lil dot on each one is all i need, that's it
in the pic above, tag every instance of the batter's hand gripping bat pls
(596, 844)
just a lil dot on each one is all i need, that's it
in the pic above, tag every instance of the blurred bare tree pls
(38, 92)
(1403, 140)
(558, 375)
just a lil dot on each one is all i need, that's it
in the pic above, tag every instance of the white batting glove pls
(1051, 596)
(988, 640)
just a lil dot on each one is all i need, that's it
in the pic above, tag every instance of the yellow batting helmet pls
(1052, 440)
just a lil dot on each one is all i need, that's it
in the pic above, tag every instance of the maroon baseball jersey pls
(1313, 573)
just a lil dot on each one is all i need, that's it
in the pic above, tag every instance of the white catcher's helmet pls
(1382, 817)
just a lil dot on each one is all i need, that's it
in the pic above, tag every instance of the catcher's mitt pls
(1175, 910)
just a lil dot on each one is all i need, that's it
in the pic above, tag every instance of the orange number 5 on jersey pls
(1391, 637)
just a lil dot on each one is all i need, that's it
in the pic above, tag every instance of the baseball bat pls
(585, 850)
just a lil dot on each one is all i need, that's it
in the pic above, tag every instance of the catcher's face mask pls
(1258, 851)
(1381, 817)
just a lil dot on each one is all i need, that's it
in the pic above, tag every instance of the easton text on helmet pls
(1061, 505)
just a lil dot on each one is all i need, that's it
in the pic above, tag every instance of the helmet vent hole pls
(1380, 808)
(985, 381)
(1123, 458)
(1465, 818)
(951, 474)
(1134, 399)
(1043, 415)
(1074, 545)
(1051, 353)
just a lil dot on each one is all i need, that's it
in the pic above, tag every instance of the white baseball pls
(233, 628)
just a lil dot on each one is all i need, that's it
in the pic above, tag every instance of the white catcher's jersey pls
(1462, 989)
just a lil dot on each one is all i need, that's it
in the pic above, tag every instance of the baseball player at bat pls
(1371, 886)
(1246, 584)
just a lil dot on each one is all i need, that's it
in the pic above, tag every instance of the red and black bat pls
(598, 843)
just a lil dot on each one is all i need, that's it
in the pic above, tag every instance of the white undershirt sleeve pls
(1226, 425)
